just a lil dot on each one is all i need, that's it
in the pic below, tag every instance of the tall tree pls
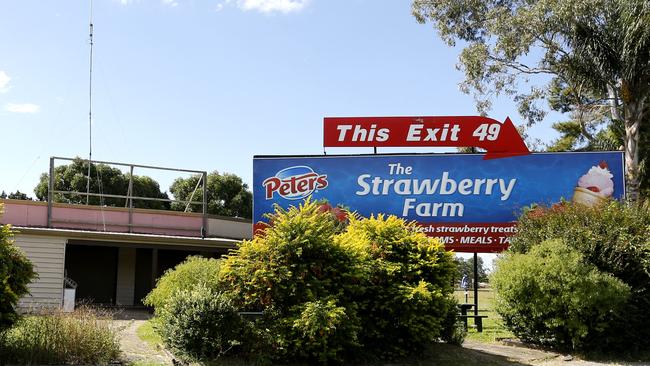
(18, 195)
(227, 195)
(591, 129)
(465, 267)
(104, 180)
(597, 51)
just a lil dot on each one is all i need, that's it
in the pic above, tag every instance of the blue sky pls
(207, 84)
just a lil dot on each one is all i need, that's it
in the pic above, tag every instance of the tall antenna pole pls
(90, 105)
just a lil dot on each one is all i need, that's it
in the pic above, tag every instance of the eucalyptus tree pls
(593, 56)
(105, 179)
(227, 195)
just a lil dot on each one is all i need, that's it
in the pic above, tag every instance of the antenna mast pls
(90, 104)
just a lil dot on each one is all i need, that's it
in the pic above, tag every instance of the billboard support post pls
(204, 228)
(475, 283)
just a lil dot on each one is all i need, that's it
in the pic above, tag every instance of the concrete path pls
(134, 349)
(528, 356)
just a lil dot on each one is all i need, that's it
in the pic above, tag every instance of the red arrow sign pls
(499, 139)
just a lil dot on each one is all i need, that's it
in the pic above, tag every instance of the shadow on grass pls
(436, 355)
(641, 358)
(132, 314)
(445, 354)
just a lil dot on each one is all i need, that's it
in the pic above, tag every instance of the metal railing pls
(129, 197)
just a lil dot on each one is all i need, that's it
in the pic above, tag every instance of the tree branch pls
(525, 69)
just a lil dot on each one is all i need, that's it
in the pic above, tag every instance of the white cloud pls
(269, 6)
(4, 81)
(171, 3)
(22, 108)
(220, 6)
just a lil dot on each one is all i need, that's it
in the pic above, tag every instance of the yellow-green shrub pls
(406, 302)
(295, 263)
(193, 271)
(322, 330)
(374, 288)
(331, 287)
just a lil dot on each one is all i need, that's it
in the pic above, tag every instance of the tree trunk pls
(633, 113)
(632, 159)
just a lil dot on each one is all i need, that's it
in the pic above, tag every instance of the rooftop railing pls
(129, 197)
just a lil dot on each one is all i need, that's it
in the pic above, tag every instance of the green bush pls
(334, 288)
(294, 263)
(84, 337)
(322, 329)
(193, 271)
(615, 239)
(331, 288)
(16, 272)
(551, 295)
(201, 324)
(406, 302)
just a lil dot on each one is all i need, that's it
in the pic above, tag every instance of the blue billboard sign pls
(450, 194)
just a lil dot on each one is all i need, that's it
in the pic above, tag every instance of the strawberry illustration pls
(593, 189)
(603, 164)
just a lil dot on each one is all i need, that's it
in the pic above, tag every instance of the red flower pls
(536, 212)
(340, 214)
(325, 207)
(259, 229)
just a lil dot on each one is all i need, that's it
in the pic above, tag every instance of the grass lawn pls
(493, 330)
(146, 333)
(146, 363)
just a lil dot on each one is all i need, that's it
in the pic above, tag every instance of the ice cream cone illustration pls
(595, 187)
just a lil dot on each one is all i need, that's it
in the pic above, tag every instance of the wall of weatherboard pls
(48, 256)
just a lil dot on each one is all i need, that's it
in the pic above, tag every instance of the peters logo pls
(294, 183)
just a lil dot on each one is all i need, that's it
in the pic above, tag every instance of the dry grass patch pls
(85, 336)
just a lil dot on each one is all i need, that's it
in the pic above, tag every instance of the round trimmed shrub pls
(613, 238)
(194, 271)
(16, 272)
(552, 296)
(201, 324)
